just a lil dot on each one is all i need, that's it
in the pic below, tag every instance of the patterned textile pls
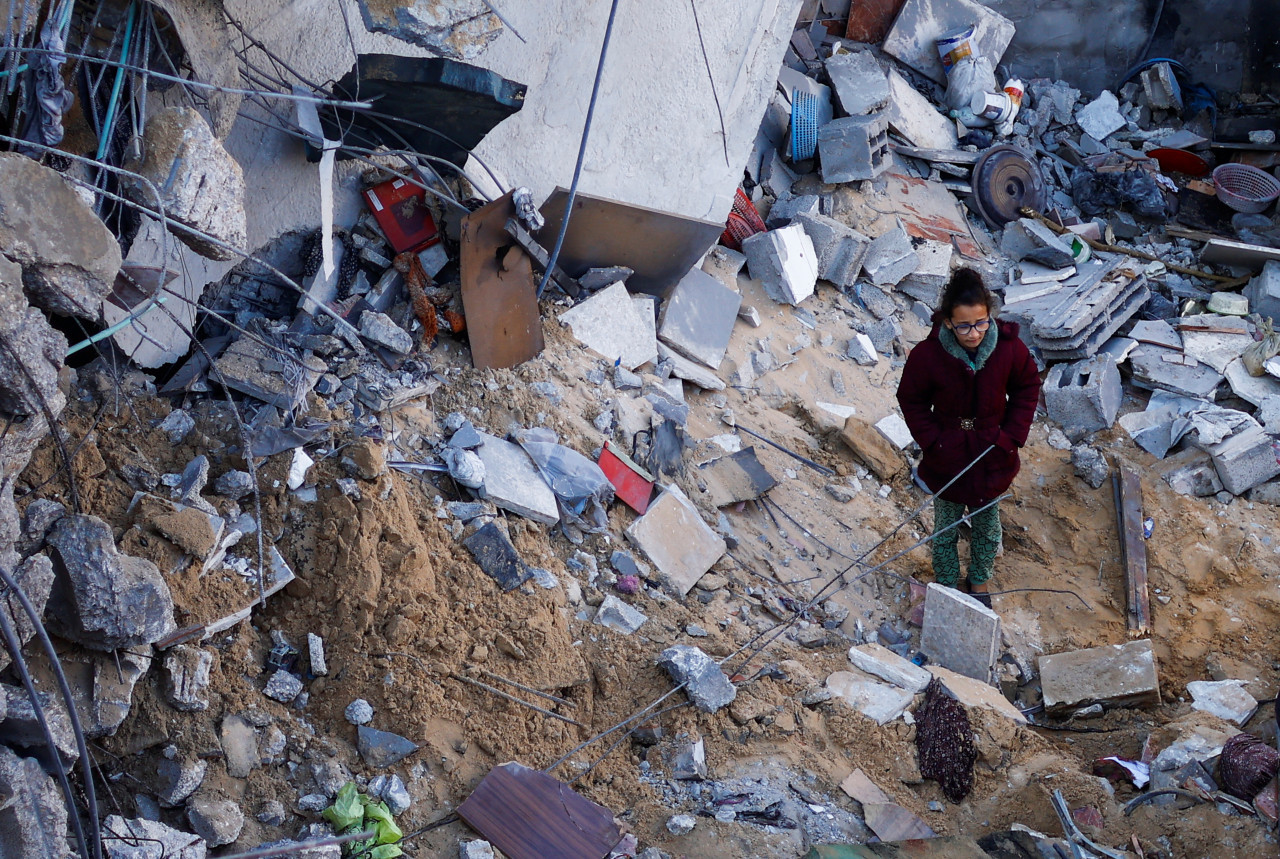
(1246, 765)
(984, 542)
(944, 741)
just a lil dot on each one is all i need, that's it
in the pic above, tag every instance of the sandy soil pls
(403, 609)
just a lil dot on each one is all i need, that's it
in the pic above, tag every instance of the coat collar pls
(953, 348)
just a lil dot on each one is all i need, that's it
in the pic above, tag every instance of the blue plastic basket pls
(804, 125)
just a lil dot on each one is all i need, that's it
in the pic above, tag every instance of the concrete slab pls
(512, 481)
(784, 262)
(1225, 699)
(619, 616)
(877, 701)
(932, 272)
(921, 23)
(914, 116)
(895, 429)
(611, 324)
(697, 318)
(884, 663)
(1255, 389)
(890, 257)
(859, 82)
(960, 633)
(674, 538)
(971, 693)
(1114, 675)
(690, 371)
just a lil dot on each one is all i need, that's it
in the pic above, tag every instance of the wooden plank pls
(540, 256)
(1133, 550)
(498, 291)
(527, 814)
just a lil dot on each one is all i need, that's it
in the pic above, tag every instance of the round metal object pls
(1004, 181)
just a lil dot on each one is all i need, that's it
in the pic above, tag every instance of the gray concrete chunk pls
(1225, 699)
(619, 616)
(880, 702)
(674, 538)
(890, 257)
(512, 481)
(840, 249)
(960, 633)
(1085, 396)
(611, 324)
(382, 748)
(1263, 291)
(859, 82)
(1101, 116)
(1115, 675)
(1245, 460)
(784, 262)
(697, 317)
(705, 684)
(149, 839)
(33, 818)
(884, 663)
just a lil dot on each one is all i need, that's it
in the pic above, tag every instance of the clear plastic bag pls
(579, 485)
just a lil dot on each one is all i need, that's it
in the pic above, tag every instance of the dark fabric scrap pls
(1246, 765)
(944, 742)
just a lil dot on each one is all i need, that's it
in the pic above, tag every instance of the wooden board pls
(1134, 552)
(527, 814)
(498, 290)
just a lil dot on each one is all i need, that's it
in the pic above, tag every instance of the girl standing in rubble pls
(969, 386)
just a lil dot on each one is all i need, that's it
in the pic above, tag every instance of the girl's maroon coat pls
(939, 390)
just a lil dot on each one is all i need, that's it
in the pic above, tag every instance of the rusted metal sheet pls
(658, 246)
(498, 290)
(1133, 551)
(528, 814)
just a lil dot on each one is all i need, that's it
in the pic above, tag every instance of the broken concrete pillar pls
(1245, 460)
(1085, 396)
(960, 633)
(840, 248)
(1115, 675)
(860, 84)
(69, 258)
(1263, 291)
(854, 148)
(200, 184)
(697, 318)
(101, 598)
(890, 257)
(785, 263)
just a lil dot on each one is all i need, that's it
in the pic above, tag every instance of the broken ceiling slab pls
(915, 118)
(673, 536)
(660, 247)
(460, 103)
(251, 368)
(737, 477)
(697, 317)
(527, 814)
(914, 35)
(1114, 675)
(512, 481)
(613, 325)
(1075, 321)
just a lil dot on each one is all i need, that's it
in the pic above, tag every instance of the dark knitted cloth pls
(944, 741)
(1246, 765)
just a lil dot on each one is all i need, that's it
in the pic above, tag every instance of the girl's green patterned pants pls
(984, 542)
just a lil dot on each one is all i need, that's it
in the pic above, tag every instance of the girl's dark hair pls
(965, 287)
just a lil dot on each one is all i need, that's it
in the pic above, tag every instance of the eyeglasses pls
(966, 327)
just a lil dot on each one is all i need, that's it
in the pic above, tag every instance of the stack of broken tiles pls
(1074, 321)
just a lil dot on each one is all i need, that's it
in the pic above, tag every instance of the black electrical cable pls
(582, 152)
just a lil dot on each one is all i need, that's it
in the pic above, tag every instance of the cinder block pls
(960, 633)
(1116, 675)
(840, 249)
(698, 317)
(1245, 460)
(784, 262)
(890, 258)
(859, 82)
(854, 148)
(1263, 291)
(1085, 396)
